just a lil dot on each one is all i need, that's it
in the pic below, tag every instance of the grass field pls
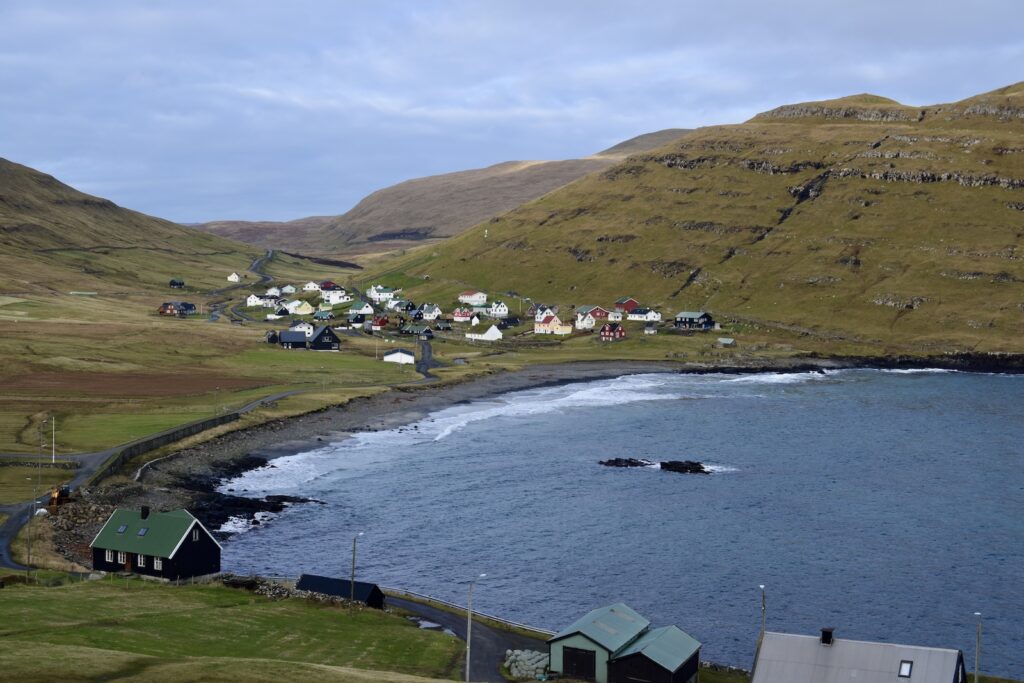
(21, 482)
(150, 631)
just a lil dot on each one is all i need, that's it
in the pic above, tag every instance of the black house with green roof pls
(170, 545)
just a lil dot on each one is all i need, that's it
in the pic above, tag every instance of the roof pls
(624, 300)
(341, 588)
(470, 292)
(786, 657)
(163, 534)
(404, 352)
(292, 336)
(641, 311)
(610, 627)
(548, 319)
(668, 646)
(690, 314)
(321, 330)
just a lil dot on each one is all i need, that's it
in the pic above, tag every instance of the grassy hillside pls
(136, 630)
(53, 237)
(857, 220)
(430, 208)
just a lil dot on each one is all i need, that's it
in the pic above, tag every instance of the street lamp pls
(469, 621)
(977, 648)
(764, 609)
(352, 585)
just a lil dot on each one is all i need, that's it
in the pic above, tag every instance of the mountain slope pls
(857, 219)
(433, 207)
(53, 236)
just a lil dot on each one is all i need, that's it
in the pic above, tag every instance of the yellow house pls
(551, 324)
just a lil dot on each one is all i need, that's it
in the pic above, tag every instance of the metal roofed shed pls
(615, 644)
(369, 594)
(787, 657)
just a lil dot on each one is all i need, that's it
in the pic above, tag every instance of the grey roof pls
(668, 646)
(610, 627)
(292, 337)
(786, 657)
(690, 314)
(404, 352)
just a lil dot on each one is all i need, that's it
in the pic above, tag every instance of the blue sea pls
(886, 504)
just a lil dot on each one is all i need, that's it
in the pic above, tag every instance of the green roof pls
(164, 531)
(610, 627)
(667, 646)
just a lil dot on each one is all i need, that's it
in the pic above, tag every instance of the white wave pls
(783, 377)
(240, 524)
(915, 371)
(720, 469)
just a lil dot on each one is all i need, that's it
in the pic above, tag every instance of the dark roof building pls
(369, 594)
(787, 657)
(177, 283)
(615, 644)
(170, 545)
(289, 339)
(694, 320)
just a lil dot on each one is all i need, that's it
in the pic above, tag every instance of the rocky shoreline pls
(191, 476)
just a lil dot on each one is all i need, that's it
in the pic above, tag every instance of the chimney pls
(826, 636)
(145, 511)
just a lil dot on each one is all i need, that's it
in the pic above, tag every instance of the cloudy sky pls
(197, 110)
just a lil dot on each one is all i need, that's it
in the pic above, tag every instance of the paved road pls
(219, 308)
(489, 644)
(88, 464)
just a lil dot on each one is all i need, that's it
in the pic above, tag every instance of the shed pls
(400, 356)
(170, 545)
(177, 283)
(726, 341)
(788, 657)
(292, 340)
(369, 594)
(661, 655)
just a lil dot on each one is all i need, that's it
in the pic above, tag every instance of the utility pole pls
(977, 648)
(469, 622)
(53, 442)
(352, 585)
(764, 611)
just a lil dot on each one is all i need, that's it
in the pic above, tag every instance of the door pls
(579, 663)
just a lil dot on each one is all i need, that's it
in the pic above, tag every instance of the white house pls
(462, 315)
(498, 309)
(645, 314)
(542, 312)
(363, 308)
(475, 320)
(379, 293)
(585, 321)
(298, 307)
(254, 300)
(274, 291)
(430, 311)
(400, 356)
(234, 277)
(311, 287)
(335, 297)
(492, 334)
(301, 326)
(288, 289)
(615, 316)
(473, 298)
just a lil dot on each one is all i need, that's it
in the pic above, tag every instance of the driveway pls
(489, 644)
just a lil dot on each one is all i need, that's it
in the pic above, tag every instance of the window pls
(158, 564)
(109, 556)
(195, 535)
(120, 557)
(123, 528)
(143, 530)
(140, 560)
(905, 668)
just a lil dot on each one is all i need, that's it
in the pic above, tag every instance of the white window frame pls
(121, 557)
(109, 556)
(140, 561)
(158, 564)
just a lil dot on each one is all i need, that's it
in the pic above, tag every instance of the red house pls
(379, 323)
(612, 332)
(328, 286)
(596, 312)
(626, 304)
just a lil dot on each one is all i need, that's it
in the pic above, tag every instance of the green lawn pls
(19, 482)
(177, 624)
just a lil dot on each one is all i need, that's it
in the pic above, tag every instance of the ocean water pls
(886, 504)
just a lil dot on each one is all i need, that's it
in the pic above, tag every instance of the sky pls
(269, 110)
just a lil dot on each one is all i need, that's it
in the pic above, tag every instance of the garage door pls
(579, 663)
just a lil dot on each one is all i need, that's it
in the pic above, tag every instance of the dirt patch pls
(125, 385)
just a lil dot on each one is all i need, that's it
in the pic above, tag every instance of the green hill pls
(54, 237)
(856, 219)
(430, 208)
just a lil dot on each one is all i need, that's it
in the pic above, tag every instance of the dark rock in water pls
(626, 462)
(685, 467)
(682, 466)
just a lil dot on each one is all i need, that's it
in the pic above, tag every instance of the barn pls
(369, 594)
(169, 545)
(615, 644)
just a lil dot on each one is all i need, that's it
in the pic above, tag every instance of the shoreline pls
(193, 475)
